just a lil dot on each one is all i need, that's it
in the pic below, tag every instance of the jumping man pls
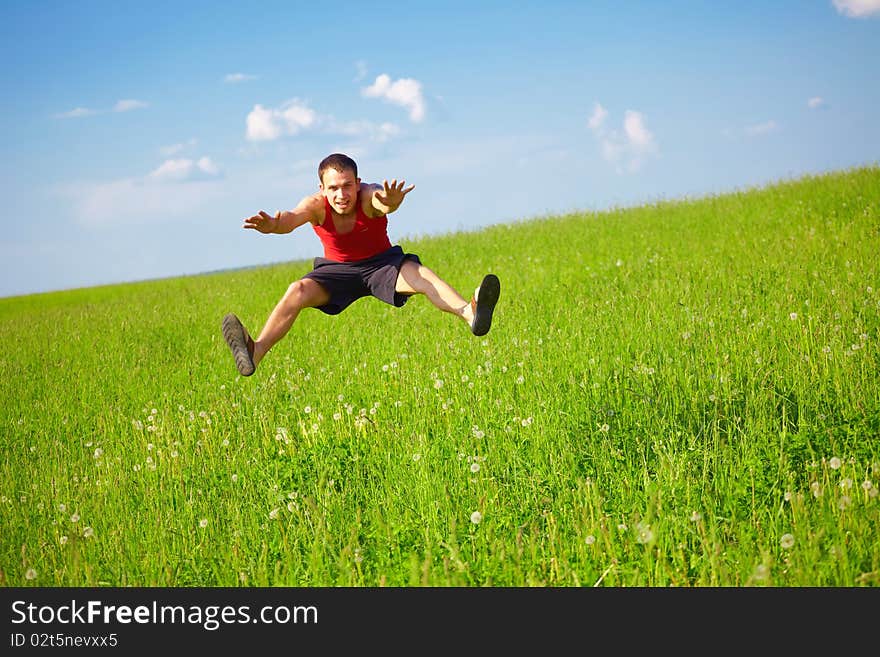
(350, 218)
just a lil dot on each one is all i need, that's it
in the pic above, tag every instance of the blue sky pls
(138, 135)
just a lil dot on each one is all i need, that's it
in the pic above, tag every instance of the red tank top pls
(369, 236)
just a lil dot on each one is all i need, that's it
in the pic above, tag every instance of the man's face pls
(341, 188)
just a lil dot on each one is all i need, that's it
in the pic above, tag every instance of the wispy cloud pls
(76, 113)
(173, 149)
(758, 129)
(159, 196)
(361, 67)
(125, 105)
(816, 102)
(129, 104)
(627, 150)
(857, 8)
(405, 92)
(235, 78)
(186, 170)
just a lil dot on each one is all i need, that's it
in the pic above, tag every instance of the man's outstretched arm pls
(285, 221)
(386, 198)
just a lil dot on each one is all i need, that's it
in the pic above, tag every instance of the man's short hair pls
(338, 161)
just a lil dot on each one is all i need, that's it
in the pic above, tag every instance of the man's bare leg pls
(415, 278)
(304, 293)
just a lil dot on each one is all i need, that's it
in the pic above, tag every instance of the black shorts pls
(349, 281)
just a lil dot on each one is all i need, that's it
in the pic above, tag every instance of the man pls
(350, 218)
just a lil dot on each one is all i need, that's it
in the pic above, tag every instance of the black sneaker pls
(483, 303)
(240, 343)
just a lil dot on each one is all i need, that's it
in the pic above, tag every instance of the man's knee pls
(414, 277)
(306, 293)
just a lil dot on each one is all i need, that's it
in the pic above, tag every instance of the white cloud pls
(598, 117)
(405, 92)
(173, 149)
(629, 150)
(267, 124)
(233, 78)
(761, 128)
(128, 104)
(376, 132)
(816, 102)
(857, 8)
(184, 170)
(125, 105)
(76, 113)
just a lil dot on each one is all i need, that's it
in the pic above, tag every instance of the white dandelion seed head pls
(74, 517)
(792, 316)
(786, 541)
(644, 534)
(846, 483)
(696, 516)
(98, 452)
(30, 573)
(834, 463)
(589, 540)
(416, 456)
(203, 523)
(475, 467)
(762, 572)
(88, 532)
(63, 540)
(273, 514)
(867, 485)
(476, 517)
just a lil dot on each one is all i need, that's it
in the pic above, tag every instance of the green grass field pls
(680, 394)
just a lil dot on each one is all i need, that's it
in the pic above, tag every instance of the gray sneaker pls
(483, 304)
(240, 343)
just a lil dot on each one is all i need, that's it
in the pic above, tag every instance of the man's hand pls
(262, 222)
(392, 195)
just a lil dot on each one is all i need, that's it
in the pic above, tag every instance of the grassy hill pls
(684, 393)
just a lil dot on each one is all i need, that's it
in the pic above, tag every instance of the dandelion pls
(99, 453)
(834, 463)
(63, 540)
(844, 502)
(416, 456)
(476, 517)
(786, 541)
(792, 316)
(787, 496)
(762, 572)
(74, 517)
(816, 489)
(696, 516)
(292, 506)
(604, 428)
(846, 483)
(438, 383)
(203, 523)
(307, 409)
(589, 540)
(867, 485)
(30, 574)
(273, 514)
(644, 533)
(475, 467)
(88, 532)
